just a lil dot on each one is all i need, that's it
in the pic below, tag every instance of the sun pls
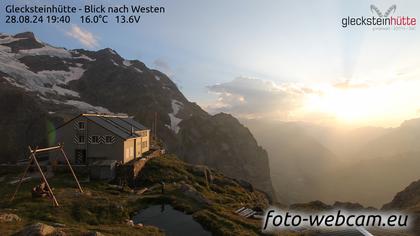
(351, 106)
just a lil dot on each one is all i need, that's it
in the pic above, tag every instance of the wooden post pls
(43, 177)
(33, 159)
(71, 169)
(153, 131)
(46, 149)
(23, 176)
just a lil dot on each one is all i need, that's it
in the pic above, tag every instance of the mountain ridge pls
(62, 83)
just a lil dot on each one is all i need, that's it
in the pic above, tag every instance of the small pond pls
(171, 221)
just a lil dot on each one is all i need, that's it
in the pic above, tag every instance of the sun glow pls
(372, 105)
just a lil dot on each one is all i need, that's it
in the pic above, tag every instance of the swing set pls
(33, 159)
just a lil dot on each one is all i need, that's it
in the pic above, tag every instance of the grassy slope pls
(104, 209)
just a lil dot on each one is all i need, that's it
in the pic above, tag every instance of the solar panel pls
(109, 126)
(121, 126)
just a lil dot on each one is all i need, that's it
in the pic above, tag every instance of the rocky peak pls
(27, 35)
(222, 142)
(108, 54)
(409, 197)
(22, 41)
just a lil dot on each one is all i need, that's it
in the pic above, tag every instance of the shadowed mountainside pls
(51, 84)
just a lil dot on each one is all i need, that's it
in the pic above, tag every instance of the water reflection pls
(173, 222)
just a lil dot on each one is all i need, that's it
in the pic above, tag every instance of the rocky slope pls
(298, 161)
(45, 85)
(406, 199)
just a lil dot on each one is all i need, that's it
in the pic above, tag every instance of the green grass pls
(104, 209)
(97, 209)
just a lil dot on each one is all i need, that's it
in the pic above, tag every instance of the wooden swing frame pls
(33, 159)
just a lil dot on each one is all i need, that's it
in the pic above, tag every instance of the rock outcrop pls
(406, 199)
(9, 217)
(40, 229)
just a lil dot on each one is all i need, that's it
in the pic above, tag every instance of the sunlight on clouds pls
(380, 104)
(83, 36)
(255, 98)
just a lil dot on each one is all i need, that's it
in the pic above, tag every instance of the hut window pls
(95, 139)
(109, 139)
(81, 125)
(81, 139)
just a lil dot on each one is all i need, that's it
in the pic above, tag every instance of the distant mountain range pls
(366, 165)
(42, 86)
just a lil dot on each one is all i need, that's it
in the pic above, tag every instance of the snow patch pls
(176, 106)
(157, 77)
(42, 81)
(82, 56)
(138, 70)
(45, 51)
(113, 62)
(5, 49)
(64, 92)
(75, 74)
(86, 107)
(9, 39)
(63, 77)
(48, 81)
(127, 63)
(12, 82)
(112, 51)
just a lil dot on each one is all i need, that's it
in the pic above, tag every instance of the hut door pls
(80, 156)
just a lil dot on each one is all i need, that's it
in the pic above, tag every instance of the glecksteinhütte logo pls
(390, 10)
(381, 20)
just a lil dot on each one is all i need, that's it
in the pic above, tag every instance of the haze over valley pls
(312, 162)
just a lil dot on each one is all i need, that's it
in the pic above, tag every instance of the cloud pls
(83, 36)
(348, 85)
(355, 103)
(256, 98)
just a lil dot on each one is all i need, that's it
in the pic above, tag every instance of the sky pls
(279, 60)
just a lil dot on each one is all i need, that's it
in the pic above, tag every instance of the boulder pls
(129, 222)
(40, 229)
(8, 217)
(191, 192)
(139, 225)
